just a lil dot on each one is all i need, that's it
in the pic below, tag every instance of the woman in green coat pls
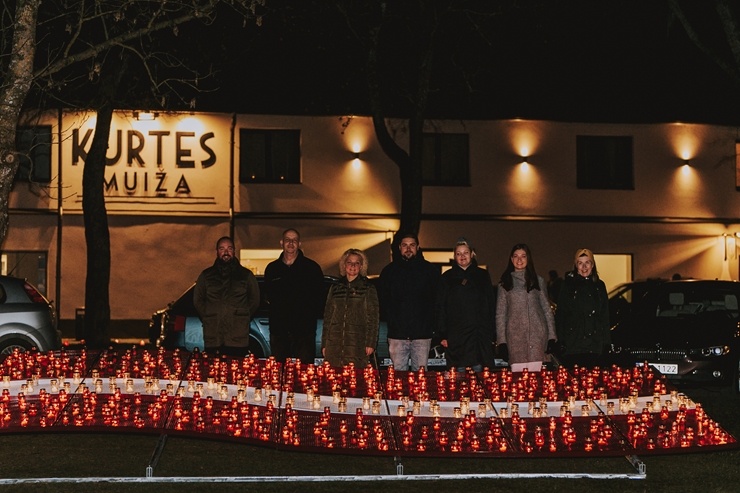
(351, 316)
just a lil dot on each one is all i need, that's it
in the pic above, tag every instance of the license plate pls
(431, 362)
(666, 368)
(434, 362)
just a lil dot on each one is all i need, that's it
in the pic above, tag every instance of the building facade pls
(650, 199)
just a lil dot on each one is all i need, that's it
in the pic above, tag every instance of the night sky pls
(578, 60)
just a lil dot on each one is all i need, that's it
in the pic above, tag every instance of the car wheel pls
(9, 345)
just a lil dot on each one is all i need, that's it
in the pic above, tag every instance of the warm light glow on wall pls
(368, 195)
(523, 138)
(704, 242)
(730, 246)
(525, 186)
(685, 142)
(191, 124)
(145, 125)
(355, 174)
(357, 132)
(686, 179)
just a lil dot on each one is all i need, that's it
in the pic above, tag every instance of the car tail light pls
(33, 293)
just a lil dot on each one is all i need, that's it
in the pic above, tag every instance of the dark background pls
(568, 60)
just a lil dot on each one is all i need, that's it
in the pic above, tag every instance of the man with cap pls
(407, 292)
(582, 317)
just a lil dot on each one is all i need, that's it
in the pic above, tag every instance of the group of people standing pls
(475, 320)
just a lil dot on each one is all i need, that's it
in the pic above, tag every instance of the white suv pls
(27, 318)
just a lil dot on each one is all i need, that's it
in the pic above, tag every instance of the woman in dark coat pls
(351, 316)
(465, 311)
(582, 316)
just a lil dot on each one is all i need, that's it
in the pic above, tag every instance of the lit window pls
(604, 163)
(269, 156)
(445, 159)
(34, 153)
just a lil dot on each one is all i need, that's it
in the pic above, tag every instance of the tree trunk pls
(15, 86)
(97, 236)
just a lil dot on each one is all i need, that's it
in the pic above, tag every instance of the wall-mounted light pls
(145, 116)
(686, 162)
(525, 163)
(356, 155)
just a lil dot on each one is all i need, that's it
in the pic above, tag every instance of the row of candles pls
(264, 401)
(294, 376)
(470, 433)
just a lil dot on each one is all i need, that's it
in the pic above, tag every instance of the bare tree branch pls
(731, 34)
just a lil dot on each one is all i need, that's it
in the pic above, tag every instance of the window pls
(604, 163)
(269, 156)
(445, 159)
(34, 153)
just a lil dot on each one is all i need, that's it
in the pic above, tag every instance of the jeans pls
(417, 350)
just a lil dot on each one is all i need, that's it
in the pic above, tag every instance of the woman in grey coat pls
(525, 325)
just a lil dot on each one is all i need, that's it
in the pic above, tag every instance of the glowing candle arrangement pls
(324, 379)
(582, 411)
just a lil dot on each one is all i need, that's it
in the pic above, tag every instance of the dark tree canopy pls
(569, 60)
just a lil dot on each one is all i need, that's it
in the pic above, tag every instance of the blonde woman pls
(351, 316)
(465, 311)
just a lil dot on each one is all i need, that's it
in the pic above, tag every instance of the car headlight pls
(715, 351)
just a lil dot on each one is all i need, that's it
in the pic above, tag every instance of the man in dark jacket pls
(408, 287)
(294, 290)
(226, 295)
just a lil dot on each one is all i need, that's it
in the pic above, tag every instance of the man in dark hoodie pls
(226, 296)
(294, 290)
(407, 292)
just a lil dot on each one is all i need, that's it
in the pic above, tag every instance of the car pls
(688, 329)
(179, 326)
(27, 318)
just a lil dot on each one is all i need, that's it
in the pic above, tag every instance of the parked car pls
(178, 325)
(27, 318)
(688, 329)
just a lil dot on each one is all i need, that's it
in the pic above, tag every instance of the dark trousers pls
(233, 351)
(286, 345)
